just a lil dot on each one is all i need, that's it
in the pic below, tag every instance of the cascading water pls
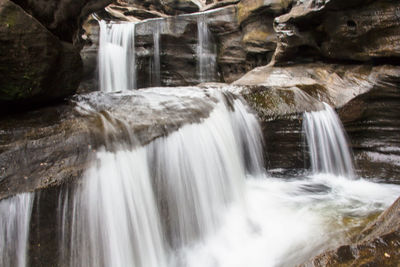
(15, 214)
(156, 66)
(206, 51)
(117, 59)
(328, 147)
(197, 173)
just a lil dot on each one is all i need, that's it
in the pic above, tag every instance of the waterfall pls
(206, 51)
(156, 70)
(137, 204)
(15, 214)
(117, 59)
(326, 139)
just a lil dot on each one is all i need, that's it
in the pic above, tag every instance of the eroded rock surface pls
(53, 145)
(339, 30)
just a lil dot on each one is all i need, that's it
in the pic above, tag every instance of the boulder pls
(63, 18)
(35, 67)
(339, 30)
(377, 245)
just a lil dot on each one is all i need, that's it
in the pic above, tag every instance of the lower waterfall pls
(200, 197)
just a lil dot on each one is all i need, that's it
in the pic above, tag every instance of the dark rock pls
(339, 30)
(377, 245)
(63, 18)
(35, 67)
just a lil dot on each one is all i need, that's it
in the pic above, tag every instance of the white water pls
(117, 59)
(328, 147)
(196, 172)
(200, 198)
(206, 51)
(156, 70)
(15, 214)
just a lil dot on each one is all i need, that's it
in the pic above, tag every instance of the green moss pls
(9, 18)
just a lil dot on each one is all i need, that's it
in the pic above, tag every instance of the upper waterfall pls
(326, 139)
(117, 59)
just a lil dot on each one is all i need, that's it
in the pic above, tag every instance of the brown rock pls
(377, 245)
(339, 30)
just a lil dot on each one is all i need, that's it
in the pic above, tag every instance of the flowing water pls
(15, 214)
(199, 196)
(117, 59)
(206, 51)
(328, 147)
(156, 70)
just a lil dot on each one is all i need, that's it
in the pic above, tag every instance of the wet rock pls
(35, 67)
(372, 122)
(339, 30)
(53, 145)
(377, 245)
(280, 96)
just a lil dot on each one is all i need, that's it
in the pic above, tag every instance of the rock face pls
(51, 146)
(34, 65)
(372, 122)
(280, 95)
(339, 30)
(377, 245)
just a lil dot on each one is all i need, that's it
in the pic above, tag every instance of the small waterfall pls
(117, 59)
(136, 206)
(114, 215)
(328, 147)
(156, 70)
(15, 214)
(206, 51)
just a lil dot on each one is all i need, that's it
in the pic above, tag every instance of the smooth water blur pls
(194, 175)
(200, 197)
(156, 66)
(117, 59)
(328, 147)
(206, 51)
(15, 215)
(288, 221)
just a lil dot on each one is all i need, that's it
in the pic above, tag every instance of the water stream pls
(117, 59)
(15, 214)
(199, 196)
(328, 147)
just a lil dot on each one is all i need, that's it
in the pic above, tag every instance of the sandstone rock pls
(339, 30)
(377, 245)
(251, 8)
(280, 95)
(35, 66)
(372, 122)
